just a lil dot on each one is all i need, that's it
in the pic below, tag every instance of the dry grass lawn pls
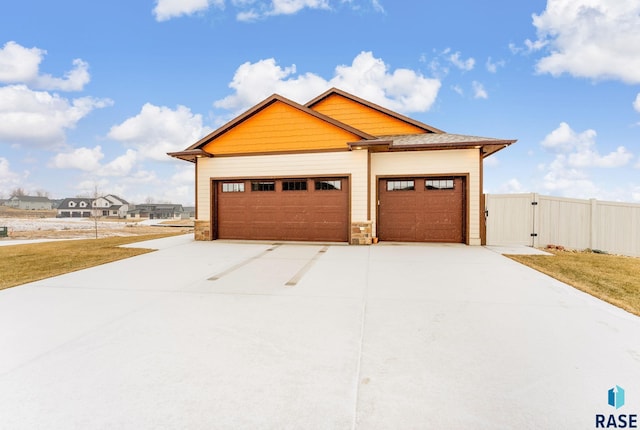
(612, 278)
(20, 264)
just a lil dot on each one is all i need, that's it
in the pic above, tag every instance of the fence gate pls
(511, 219)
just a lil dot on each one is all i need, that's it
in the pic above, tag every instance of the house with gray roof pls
(30, 203)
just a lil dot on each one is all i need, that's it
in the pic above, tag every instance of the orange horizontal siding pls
(280, 127)
(363, 117)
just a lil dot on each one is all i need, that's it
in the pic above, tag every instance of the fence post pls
(535, 221)
(593, 227)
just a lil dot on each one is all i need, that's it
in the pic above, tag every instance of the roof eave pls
(190, 155)
(488, 147)
(370, 144)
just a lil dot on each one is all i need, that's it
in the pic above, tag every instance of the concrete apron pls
(235, 335)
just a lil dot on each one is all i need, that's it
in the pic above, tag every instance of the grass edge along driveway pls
(612, 278)
(21, 264)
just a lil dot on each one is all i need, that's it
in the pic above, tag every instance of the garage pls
(422, 209)
(305, 209)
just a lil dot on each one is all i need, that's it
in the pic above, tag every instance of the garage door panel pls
(280, 214)
(422, 214)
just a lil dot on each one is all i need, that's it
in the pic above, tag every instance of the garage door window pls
(294, 185)
(263, 186)
(439, 184)
(400, 185)
(233, 187)
(322, 185)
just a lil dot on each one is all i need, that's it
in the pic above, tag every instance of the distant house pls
(111, 206)
(108, 206)
(75, 208)
(189, 212)
(30, 203)
(156, 211)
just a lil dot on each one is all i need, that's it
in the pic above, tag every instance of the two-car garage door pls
(311, 209)
(414, 209)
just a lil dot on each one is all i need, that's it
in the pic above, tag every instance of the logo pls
(616, 397)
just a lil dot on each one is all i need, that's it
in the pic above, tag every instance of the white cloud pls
(458, 89)
(157, 130)
(579, 149)
(465, 65)
(367, 77)
(574, 153)
(89, 187)
(20, 65)
(512, 186)
(377, 6)
(74, 80)
(86, 159)
(478, 91)
(598, 39)
(252, 10)
(90, 160)
(636, 103)
(290, 7)
(492, 161)
(8, 178)
(570, 182)
(120, 166)
(493, 67)
(590, 158)
(184, 174)
(39, 117)
(167, 9)
(182, 193)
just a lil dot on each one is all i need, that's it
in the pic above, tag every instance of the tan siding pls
(433, 162)
(318, 164)
(278, 128)
(364, 118)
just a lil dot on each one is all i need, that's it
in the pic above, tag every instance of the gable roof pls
(65, 203)
(196, 150)
(335, 91)
(115, 199)
(430, 138)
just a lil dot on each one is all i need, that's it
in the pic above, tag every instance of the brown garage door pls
(422, 209)
(313, 209)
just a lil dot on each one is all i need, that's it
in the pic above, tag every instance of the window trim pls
(317, 184)
(300, 184)
(233, 187)
(259, 186)
(449, 184)
(410, 185)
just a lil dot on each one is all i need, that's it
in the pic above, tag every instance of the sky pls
(94, 94)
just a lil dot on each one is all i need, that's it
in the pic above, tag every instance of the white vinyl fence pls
(535, 220)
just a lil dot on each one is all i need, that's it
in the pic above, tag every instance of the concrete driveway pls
(215, 335)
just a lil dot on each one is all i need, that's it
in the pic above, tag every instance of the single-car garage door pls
(309, 209)
(422, 209)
